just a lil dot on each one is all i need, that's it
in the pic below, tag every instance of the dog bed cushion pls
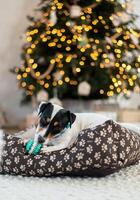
(98, 151)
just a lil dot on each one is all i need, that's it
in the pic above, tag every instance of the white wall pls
(12, 25)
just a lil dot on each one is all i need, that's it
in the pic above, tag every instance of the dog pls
(58, 128)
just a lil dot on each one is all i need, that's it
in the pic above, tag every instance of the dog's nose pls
(41, 139)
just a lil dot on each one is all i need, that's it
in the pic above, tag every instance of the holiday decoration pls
(129, 115)
(131, 101)
(42, 96)
(56, 101)
(53, 18)
(84, 88)
(75, 41)
(75, 11)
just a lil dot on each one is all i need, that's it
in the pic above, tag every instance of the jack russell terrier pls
(58, 128)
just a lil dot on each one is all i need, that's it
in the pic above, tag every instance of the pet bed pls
(98, 151)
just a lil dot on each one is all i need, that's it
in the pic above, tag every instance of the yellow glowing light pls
(63, 38)
(44, 39)
(48, 77)
(117, 64)
(101, 91)
(60, 56)
(29, 51)
(18, 76)
(62, 72)
(46, 85)
(118, 90)
(104, 55)
(35, 65)
(100, 17)
(134, 77)
(95, 22)
(124, 65)
(128, 68)
(23, 84)
(69, 41)
(110, 93)
(68, 59)
(102, 65)
(132, 46)
(67, 23)
(120, 43)
(108, 47)
(124, 76)
(31, 87)
(78, 69)
(67, 79)
(114, 80)
(82, 49)
(121, 69)
(29, 39)
(54, 83)
(83, 17)
(24, 75)
(68, 48)
(31, 61)
(60, 82)
(52, 61)
(97, 41)
(37, 74)
(107, 61)
(33, 46)
(59, 45)
(111, 87)
(41, 82)
(81, 63)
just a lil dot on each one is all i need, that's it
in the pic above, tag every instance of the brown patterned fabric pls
(98, 151)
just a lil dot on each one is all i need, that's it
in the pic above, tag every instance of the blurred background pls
(84, 55)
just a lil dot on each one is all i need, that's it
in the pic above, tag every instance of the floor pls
(124, 185)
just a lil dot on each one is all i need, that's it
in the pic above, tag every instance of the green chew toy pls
(37, 149)
(29, 145)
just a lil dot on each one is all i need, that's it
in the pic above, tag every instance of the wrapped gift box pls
(129, 115)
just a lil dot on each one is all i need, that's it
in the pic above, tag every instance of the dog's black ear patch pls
(45, 113)
(67, 117)
(71, 117)
(43, 106)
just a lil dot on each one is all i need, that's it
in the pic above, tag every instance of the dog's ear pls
(71, 117)
(45, 113)
(45, 106)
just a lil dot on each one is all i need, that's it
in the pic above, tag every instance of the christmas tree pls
(81, 49)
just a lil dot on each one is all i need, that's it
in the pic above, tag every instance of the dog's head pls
(53, 119)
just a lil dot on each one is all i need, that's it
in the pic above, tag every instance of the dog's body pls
(60, 127)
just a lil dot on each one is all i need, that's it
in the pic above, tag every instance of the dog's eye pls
(56, 123)
(43, 122)
(48, 120)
